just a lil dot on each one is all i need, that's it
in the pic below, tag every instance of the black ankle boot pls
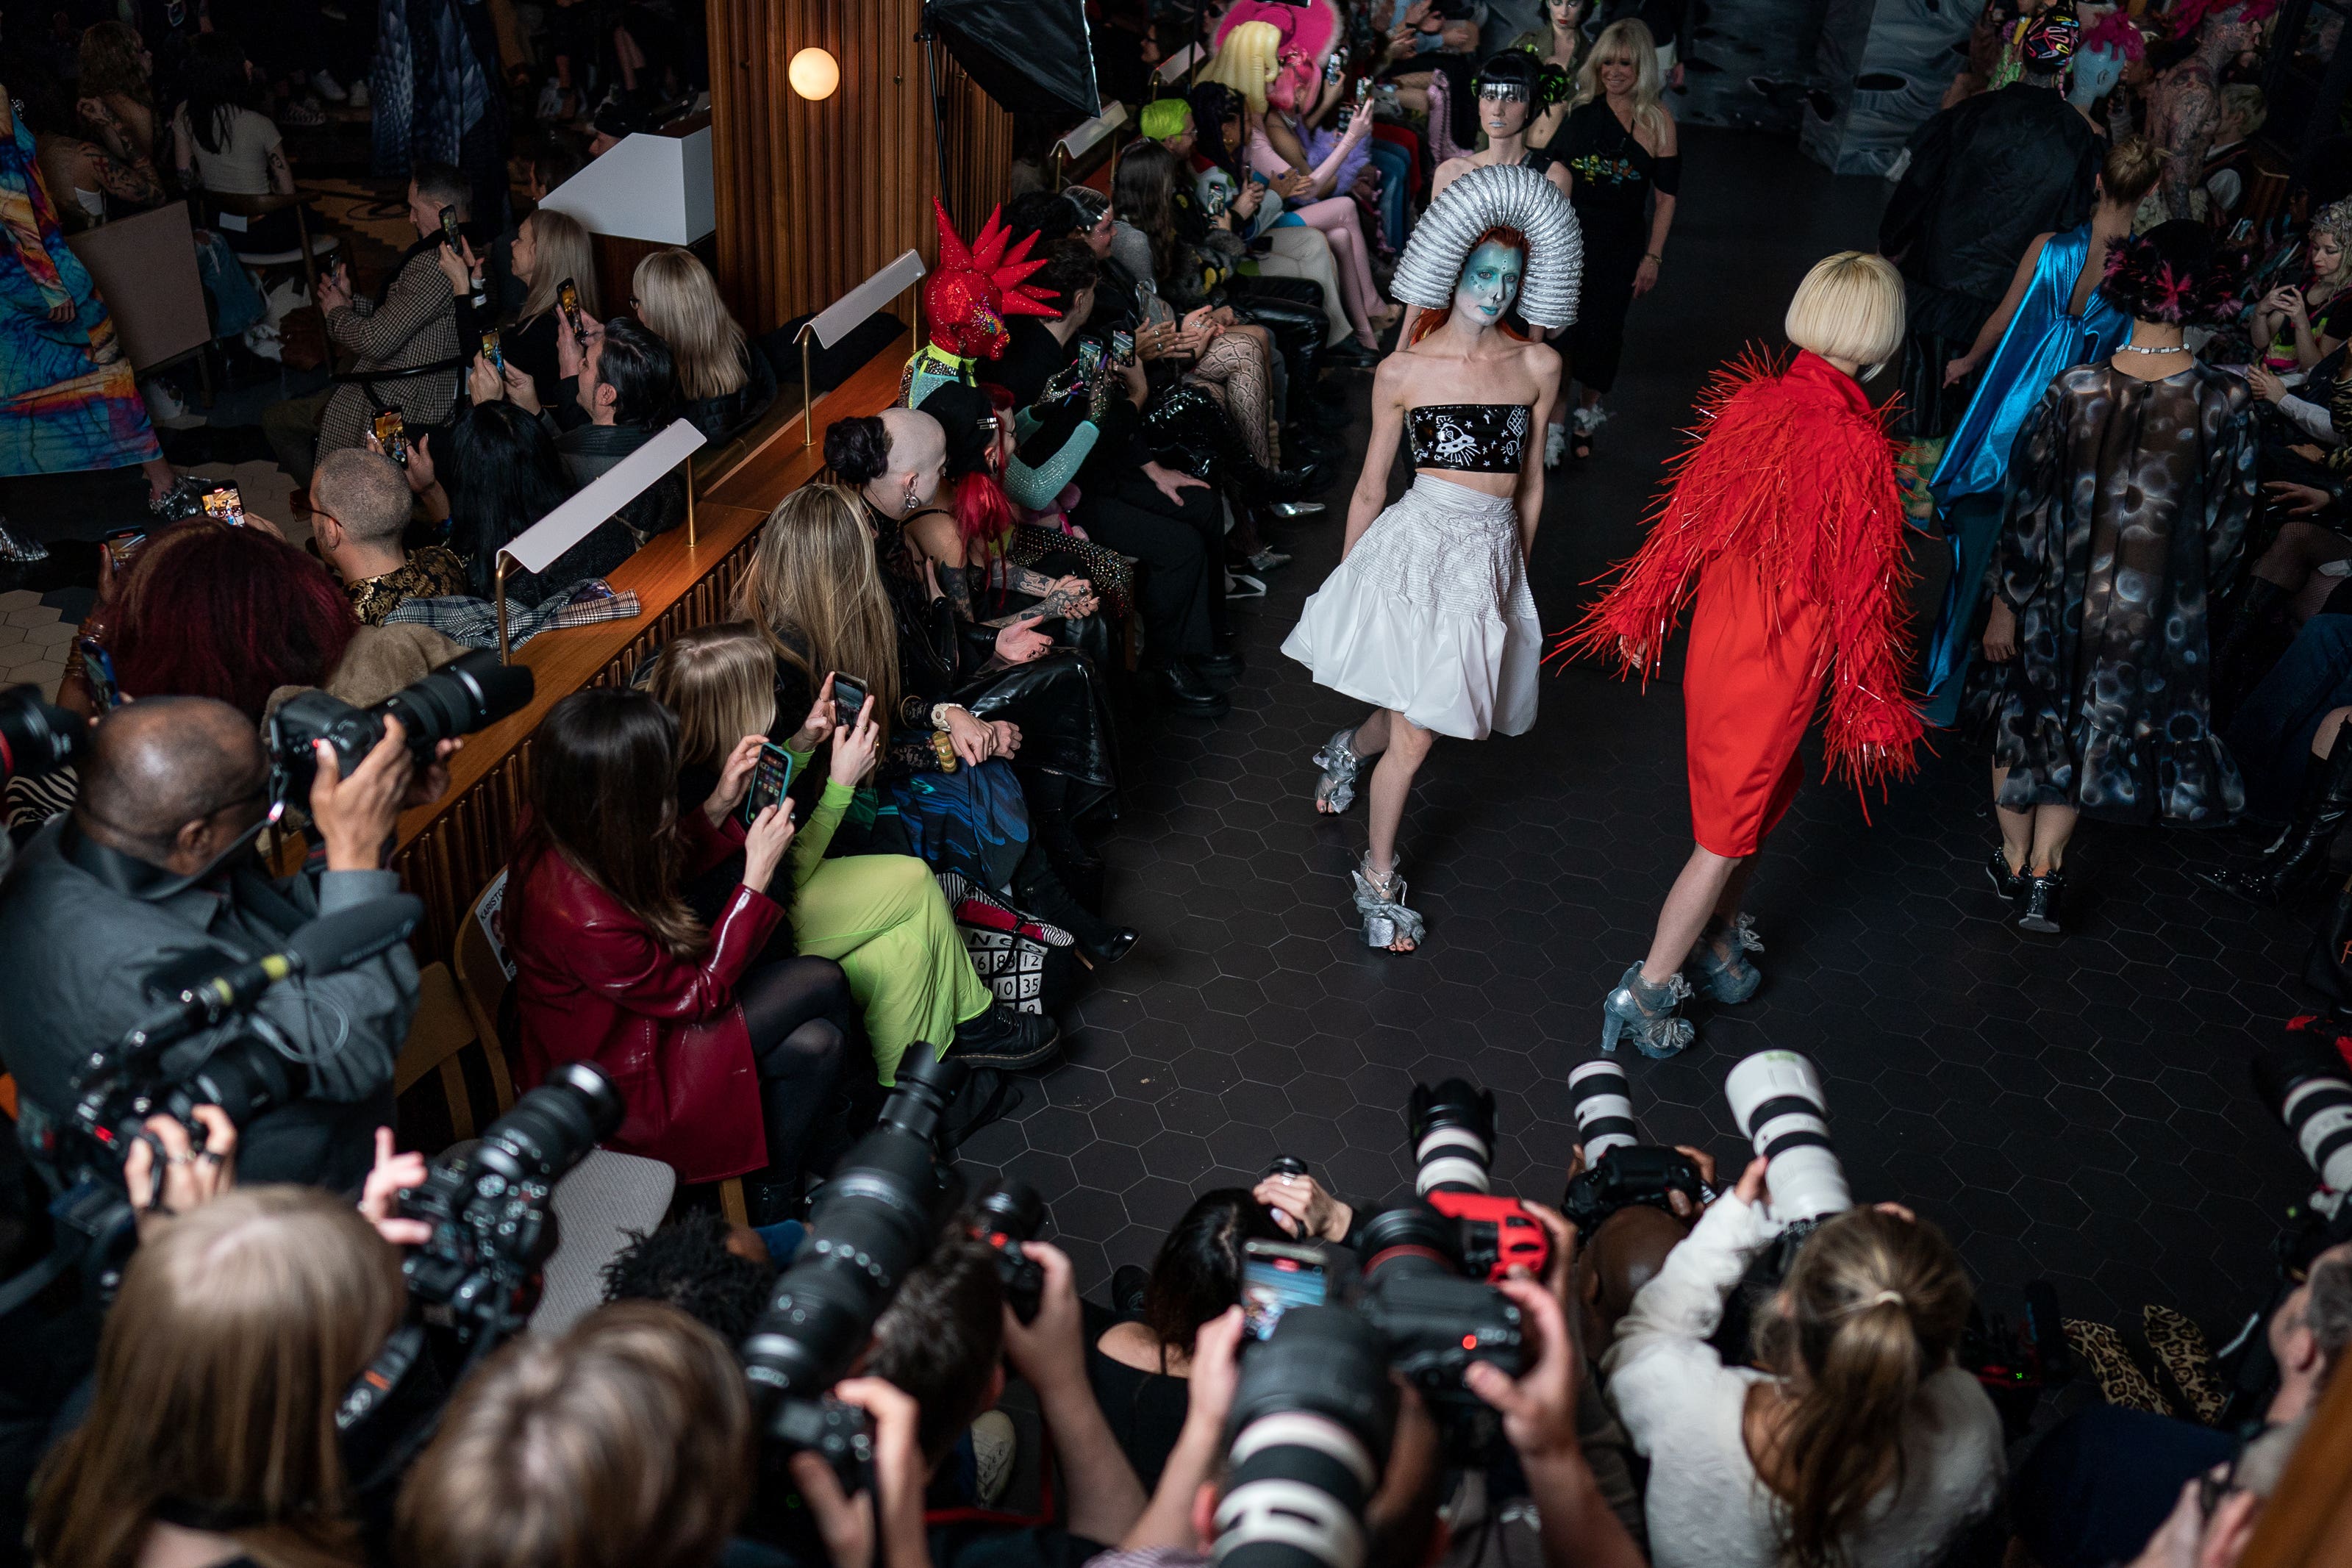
(1003, 1038)
(2037, 906)
(1041, 892)
(2300, 856)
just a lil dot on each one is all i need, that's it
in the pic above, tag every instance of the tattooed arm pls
(2193, 116)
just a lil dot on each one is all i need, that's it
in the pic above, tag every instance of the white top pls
(1684, 1409)
(241, 168)
(2311, 419)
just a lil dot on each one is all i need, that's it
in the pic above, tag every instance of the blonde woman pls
(1619, 144)
(550, 250)
(1784, 525)
(2303, 325)
(211, 1437)
(724, 382)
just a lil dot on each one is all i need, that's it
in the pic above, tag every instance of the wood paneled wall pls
(813, 197)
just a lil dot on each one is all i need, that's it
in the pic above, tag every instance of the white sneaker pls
(357, 96)
(995, 1442)
(1555, 444)
(324, 84)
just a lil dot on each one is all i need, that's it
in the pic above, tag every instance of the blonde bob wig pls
(1850, 306)
(1246, 61)
(678, 301)
(561, 251)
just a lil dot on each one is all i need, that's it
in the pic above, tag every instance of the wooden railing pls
(450, 850)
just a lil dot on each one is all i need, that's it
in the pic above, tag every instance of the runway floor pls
(2076, 1109)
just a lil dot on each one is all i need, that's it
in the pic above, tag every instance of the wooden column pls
(813, 197)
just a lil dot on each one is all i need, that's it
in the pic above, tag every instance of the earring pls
(909, 505)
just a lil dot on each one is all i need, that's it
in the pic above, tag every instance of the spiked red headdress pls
(977, 285)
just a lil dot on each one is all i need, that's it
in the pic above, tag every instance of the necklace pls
(2136, 349)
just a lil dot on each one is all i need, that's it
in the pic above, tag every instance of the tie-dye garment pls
(67, 401)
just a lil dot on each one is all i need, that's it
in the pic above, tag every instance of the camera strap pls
(146, 881)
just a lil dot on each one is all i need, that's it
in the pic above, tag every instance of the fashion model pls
(1427, 616)
(2053, 318)
(2127, 503)
(1783, 522)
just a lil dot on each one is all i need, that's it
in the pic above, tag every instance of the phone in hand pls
(1122, 346)
(392, 436)
(848, 697)
(567, 299)
(123, 547)
(449, 230)
(223, 505)
(98, 672)
(771, 777)
(491, 352)
(1276, 1277)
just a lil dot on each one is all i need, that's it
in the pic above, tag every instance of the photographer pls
(211, 1437)
(945, 1339)
(627, 1443)
(1864, 1443)
(152, 883)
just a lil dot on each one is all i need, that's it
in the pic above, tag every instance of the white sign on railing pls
(537, 547)
(1176, 64)
(1077, 142)
(846, 314)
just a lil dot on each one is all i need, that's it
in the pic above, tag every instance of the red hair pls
(234, 613)
(1430, 320)
(983, 513)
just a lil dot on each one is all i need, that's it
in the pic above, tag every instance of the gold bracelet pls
(943, 748)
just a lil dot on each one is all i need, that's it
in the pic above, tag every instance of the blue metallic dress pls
(2044, 339)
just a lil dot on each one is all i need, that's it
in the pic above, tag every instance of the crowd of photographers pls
(1661, 1369)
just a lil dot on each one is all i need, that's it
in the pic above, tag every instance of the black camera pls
(1431, 1318)
(488, 1202)
(1010, 1213)
(876, 1219)
(1620, 1170)
(1314, 1413)
(460, 697)
(35, 737)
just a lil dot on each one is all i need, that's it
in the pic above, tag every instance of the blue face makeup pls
(1489, 282)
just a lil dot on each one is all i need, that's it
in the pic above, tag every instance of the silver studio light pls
(1503, 196)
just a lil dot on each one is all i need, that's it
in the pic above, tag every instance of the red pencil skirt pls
(1750, 690)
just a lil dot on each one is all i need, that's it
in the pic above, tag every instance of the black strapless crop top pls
(1470, 437)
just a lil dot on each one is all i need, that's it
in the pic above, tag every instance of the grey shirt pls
(76, 951)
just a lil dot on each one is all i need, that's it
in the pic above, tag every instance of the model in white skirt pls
(1428, 617)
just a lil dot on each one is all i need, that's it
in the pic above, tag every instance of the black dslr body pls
(35, 737)
(877, 1219)
(1012, 1212)
(1313, 1414)
(460, 697)
(1621, 1168)
(1432, 1320)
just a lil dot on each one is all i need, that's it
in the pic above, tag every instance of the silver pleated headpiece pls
(1506, 195)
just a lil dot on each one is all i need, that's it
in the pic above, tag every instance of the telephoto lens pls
(1776, 1098)
(1453, 1130)
(2305, 1086)
(463, 696)
(1313, 1414)
(35, 737)
(1604, 1109)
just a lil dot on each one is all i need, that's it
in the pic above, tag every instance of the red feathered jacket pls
(1785, 509)
(591, 984)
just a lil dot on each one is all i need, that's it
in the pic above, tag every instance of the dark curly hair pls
(687, 1265)
(857, 450)
(2173, 273)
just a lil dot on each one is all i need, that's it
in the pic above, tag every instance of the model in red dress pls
(1784, 524)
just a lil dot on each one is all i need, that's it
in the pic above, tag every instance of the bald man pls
(152, 883)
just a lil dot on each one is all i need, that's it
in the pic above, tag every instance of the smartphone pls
(1276, 1277)
(567, 299)
(1335, 68)
(2244, 232)
(1122, 346)
(449, 230)
(771, 777)
(97, 671)
(124, 546)
(491, 353)
(391, 436)
(849, 697)
(1219, 198)
(223, 505)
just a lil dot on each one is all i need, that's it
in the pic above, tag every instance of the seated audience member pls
(626, 1443)
(724, 384)
(550, 248)
(724, 1054)
(1864, 1443)
(114, 83)
(394, 336)
(211, 1435)
(91, 162)
(1138, 1368)
(946, 1339)
(2099, 1484)
(881, 917)
(154, 872)
(222, 143)
(360, 503)
(628, 390)
(499, 474)
(719, 1274)
(2282, 737)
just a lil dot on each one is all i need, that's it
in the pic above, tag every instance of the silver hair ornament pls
(1506, 195)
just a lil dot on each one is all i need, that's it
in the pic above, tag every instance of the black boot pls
(2300, 856)
(1003, 1038)
(1181, 688)
(2037, 906)
(1041, 894)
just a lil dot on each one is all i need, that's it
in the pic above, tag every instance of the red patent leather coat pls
(591, 984)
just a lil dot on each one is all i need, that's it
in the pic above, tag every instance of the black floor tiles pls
(2074, 1108)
